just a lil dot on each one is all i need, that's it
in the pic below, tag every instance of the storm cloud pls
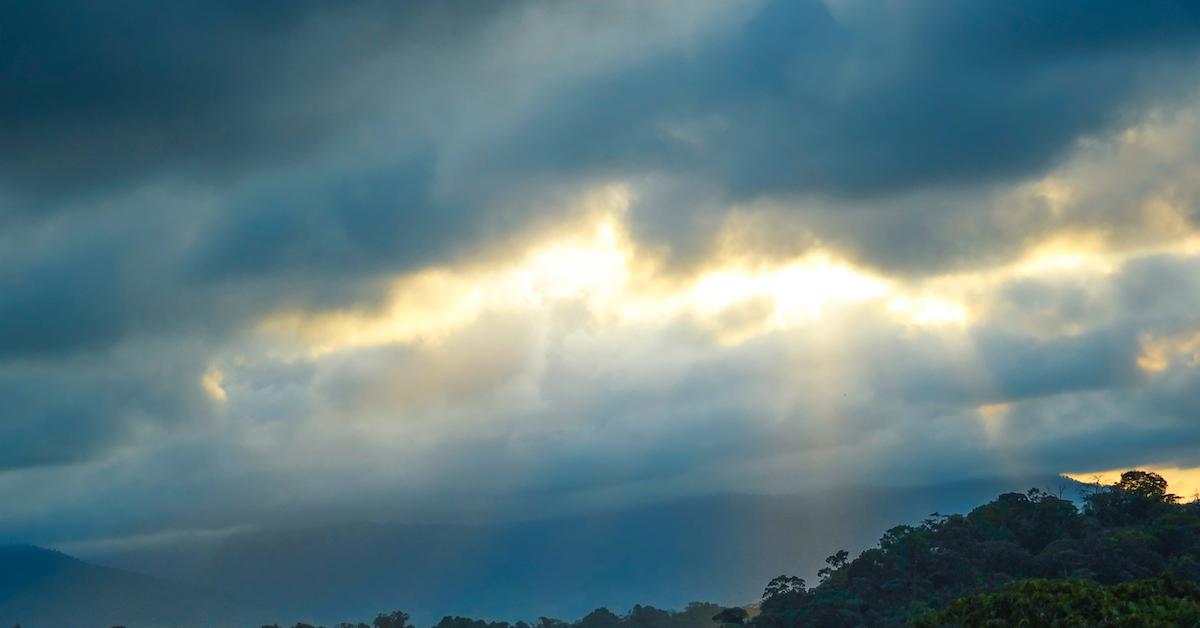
(373, 259)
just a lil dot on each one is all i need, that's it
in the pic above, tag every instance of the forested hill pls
(1129, 557)
(41, 588)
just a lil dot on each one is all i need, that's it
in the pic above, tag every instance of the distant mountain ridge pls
(43, 588)
(719, 548)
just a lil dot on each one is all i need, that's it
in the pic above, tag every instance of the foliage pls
(394, 619)
(1132, 530)
(467, 622)
(734, 615)
(1036, 602)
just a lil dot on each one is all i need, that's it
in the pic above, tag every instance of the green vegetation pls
(1160, 602)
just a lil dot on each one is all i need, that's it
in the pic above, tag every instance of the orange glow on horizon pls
(1182, 481)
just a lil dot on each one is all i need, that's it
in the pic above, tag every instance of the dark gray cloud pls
(67, 412)
(798, 101)
(106, 97)
(1003, 366)
(1029, 367)
(1160, 288)
(345, 224)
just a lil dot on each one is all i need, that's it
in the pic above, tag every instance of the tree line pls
(695, 615)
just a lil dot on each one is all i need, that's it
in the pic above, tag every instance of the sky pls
(272, 262)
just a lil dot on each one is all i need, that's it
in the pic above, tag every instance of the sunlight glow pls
(1068, 252)
(1160, 352)
(929, 311)
(992, 418)
(1055, 192)
(596, 266)
(211, 383)
(1182, 481)
(799, 290)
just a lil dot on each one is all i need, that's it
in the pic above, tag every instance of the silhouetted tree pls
(695, 615)
(394, 619)
(1145, 484)
(1136, 496)
(599, 618)
(550, 622)
(835, 562)
(783, 585)
(735, 615)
